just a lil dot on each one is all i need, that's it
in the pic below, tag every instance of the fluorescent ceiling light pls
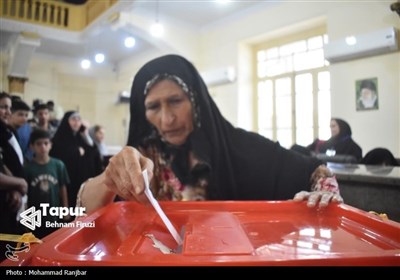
(85, 64)
(130, 42)
(157, 30)
(351, 40)
(99, 58)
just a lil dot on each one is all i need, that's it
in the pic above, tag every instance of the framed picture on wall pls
(367, 94)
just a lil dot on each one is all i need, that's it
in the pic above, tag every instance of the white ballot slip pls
(158, 209)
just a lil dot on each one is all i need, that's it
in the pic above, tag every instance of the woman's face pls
(99, 135)
(75, 123)
(335, 129)
(169, 109)
(5, 110)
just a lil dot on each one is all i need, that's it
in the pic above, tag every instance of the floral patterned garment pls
(166, 186)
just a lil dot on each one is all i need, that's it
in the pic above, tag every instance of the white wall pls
(370, 129)
(93, 92)
(229, 43)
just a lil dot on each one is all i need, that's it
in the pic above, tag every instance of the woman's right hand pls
(123, 174)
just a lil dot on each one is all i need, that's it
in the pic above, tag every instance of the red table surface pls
(229, 233)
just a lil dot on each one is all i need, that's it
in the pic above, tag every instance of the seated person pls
(341, 141)
(379, 156)
(315, 146)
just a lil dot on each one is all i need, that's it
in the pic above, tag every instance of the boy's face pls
(41, 147)
(19, 118)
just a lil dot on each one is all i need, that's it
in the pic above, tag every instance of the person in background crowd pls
(47, 178)
(191, 152)
(42, 117)
(8, 205)
(56, 113)
(19, 117)
(379, 156)
(73, 145)
(315, 147)
(36, 102)
(341, 141)
(19, 124)
(12, 185)
(97, 133)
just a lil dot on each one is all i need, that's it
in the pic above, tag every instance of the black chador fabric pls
(9, 159)
(243, 165)
(66, 145)
(10, 156)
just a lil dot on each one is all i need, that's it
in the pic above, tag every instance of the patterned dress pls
(165, 184)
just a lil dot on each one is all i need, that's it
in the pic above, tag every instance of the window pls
(293, 91)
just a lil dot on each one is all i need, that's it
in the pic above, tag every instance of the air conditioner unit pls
(363, 45)
(219, 76)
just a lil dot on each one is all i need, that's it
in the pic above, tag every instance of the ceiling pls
(198, 15)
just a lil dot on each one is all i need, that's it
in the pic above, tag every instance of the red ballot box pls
(230, 233)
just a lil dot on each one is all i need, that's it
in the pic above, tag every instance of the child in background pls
(47, 179)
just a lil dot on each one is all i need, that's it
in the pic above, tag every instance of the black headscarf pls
(343, 143)
(379, 156)
(244, 165)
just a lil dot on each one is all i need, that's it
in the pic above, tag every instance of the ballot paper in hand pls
(158, 209)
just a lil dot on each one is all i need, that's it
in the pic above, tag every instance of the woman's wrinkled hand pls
(325, 189)
(322, 198)
(123, 174)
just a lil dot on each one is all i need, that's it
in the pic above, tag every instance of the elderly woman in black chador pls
(193, 153)
(341, 142)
